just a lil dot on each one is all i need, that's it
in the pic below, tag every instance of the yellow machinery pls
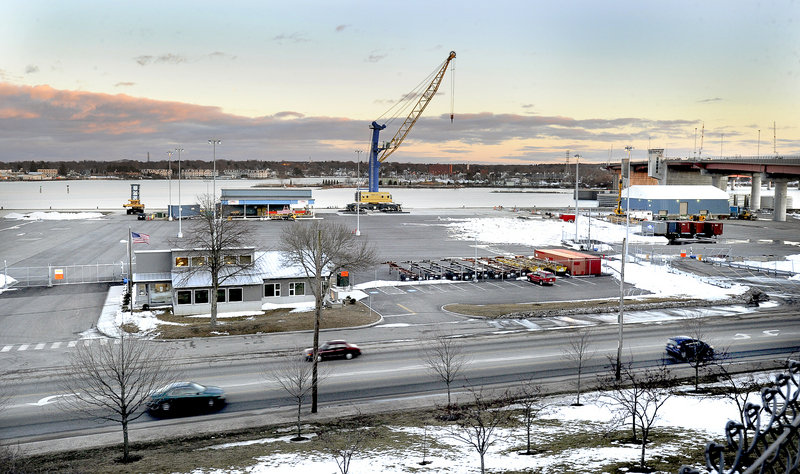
(134, 205)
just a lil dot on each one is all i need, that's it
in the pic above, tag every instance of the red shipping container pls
(577, 263)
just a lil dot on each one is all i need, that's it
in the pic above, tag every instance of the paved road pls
(397, 372)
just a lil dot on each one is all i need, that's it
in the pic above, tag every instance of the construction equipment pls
(379, 152)
(134, 205)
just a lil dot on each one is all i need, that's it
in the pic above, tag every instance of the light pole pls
(180, 210)
(214, 142)
(577, 157)
(618, 373)
(358, 198)
(169, 177)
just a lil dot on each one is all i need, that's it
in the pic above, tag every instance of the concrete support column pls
(755, 193)
(779, 213)
(719, 181)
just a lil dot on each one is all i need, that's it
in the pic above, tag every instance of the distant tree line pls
(393, 173)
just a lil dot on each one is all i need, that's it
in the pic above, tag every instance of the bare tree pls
(738, 388)
(579, 350)
(321, 249)
(345, 440)
(529, 397)
(113, 379)
(294, 377)
(478, 423)
(639, 395)
(214, 241)
(445, 357)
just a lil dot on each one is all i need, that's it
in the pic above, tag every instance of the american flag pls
(140, 238)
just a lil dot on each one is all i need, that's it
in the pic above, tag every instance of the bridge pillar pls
(779, 213)
(755, 193)
(720, 181)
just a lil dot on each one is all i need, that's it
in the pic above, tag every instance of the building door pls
(684, 209)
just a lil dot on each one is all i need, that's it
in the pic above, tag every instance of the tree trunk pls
(644, 440)
(299, 407)
(214, 287)
(125, 444)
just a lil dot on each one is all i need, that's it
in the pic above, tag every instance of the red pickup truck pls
(541, 277)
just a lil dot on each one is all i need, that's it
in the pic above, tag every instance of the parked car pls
(333, 350)
(686, 348)
(541, 277)
(185, 398)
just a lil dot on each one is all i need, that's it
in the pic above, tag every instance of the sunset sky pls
(303, 79)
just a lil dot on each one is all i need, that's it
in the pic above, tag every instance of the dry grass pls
(548, 308)
(278, 320)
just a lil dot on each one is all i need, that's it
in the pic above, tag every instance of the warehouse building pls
(267, 202)
(677, 200)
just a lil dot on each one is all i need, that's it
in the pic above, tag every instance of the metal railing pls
(66, 274)
(769, 441)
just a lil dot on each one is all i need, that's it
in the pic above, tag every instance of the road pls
(395, 371)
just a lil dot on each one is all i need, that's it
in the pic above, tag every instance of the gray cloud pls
(290, 38)
(341, 28)
(124, 84)
(374, 57)
(713, 99)
(31, 69)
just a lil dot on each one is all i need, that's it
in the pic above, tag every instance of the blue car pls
(687, 349)
(185, 398)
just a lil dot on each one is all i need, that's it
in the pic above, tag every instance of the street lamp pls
(169, 178)
(622, 266)
(180, 210)
(577, 157)
(358, 198)
(214, 142)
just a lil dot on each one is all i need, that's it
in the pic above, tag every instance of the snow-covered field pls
(692, 420)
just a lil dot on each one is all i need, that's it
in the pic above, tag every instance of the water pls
(110, 195)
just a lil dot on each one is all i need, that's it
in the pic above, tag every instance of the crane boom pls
(389, 147)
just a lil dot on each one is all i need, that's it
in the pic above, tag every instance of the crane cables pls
(409, 100)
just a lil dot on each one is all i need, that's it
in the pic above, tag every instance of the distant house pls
(163, 278)
(267, 202)
(677, 200)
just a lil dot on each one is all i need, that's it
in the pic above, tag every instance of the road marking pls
(52, 398)
(412, 312)
(6, 348)
(55, 345)
(40, 346)
(23, 347)
(72, 343)
(771, 332)
(740, 336)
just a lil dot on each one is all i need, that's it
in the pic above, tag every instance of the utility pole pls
(169, 177)
(621, 318)
(577, 158)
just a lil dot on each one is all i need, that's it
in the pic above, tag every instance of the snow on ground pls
(700, 418)
(53, 216)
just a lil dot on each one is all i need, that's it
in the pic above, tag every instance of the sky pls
(302, 80)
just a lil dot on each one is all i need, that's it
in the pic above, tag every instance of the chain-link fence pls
(65, 274)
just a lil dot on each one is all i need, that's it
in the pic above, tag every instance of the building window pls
(272, 289)
(245, 259)
(297, 289)
(221, 295)
(199, 261)
(181, 261)
(235, 294)
(200, 296)
(229, 260)
(161, 287)
(184, 297)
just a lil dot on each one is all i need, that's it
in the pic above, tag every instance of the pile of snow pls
(53, 216)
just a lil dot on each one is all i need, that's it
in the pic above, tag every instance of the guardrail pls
(769, 441)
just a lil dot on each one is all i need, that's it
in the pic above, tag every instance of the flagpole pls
(130, 268)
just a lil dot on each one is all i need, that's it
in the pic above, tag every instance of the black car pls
(185, 398)
(688, 349)
(333, 350)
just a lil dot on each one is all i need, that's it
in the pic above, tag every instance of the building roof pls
(682, 192)
(272, 264)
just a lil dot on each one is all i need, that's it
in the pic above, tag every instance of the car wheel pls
(348, 356)
(683, 355)
(165, 407)
(319, 358)
(211, 403)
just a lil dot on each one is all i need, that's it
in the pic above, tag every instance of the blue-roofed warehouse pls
(677, 200)
(267, 202)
